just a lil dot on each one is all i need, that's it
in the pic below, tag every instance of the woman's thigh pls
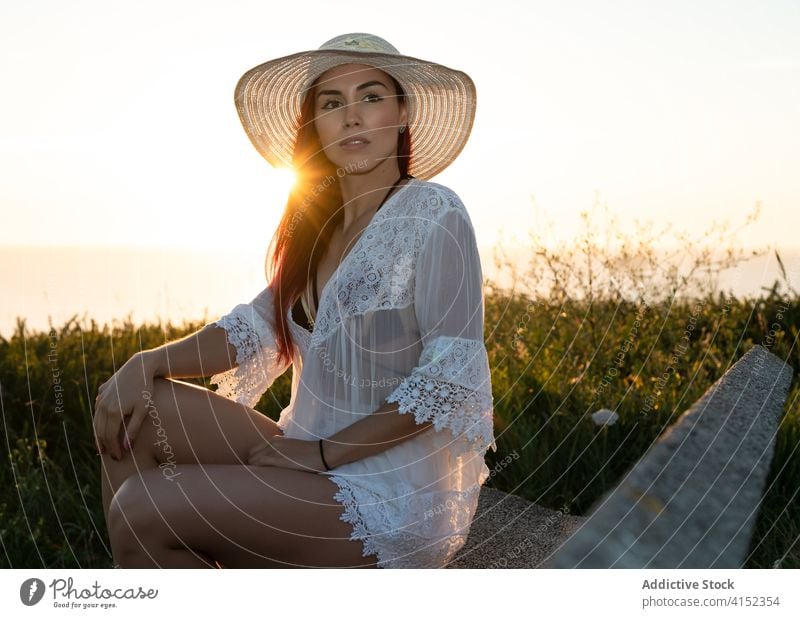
(187, 424)
(241, 516)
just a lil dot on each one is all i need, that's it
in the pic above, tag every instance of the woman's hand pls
(283, 452)
(126, 393)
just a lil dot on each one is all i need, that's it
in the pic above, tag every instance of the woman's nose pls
(351, 115)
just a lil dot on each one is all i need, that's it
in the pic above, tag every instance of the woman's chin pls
(354, 163)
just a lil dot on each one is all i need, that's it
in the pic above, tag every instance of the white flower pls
(605, 416)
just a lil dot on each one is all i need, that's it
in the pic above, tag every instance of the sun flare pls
(283, 179)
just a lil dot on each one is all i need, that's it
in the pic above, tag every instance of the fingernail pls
(125, 444)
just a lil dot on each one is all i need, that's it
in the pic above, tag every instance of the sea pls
(44, 287)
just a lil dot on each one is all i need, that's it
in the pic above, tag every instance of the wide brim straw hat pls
(440, 100)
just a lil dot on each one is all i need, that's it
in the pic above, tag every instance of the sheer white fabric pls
(400, 320)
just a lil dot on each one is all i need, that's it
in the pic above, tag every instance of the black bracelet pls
(322, 455)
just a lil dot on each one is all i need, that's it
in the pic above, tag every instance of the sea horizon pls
(148, 284)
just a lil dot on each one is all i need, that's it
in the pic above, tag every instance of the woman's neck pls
(362, 193)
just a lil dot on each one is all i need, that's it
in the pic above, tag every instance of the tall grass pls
(625, 323)
(605, 322)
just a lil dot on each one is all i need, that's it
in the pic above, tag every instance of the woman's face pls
(356, 101)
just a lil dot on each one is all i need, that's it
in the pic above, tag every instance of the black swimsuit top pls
(298, 314)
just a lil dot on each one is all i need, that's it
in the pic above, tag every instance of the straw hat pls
(440, 101)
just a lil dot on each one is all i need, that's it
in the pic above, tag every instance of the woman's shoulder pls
(439, 199)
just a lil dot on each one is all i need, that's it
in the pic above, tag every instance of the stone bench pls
(509, 532)
(691, 501)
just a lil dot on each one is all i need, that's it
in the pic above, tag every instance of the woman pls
(375, 298)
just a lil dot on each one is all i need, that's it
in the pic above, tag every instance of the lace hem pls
(352, 515)
(426, 531)
(256, 357)
(451, 386)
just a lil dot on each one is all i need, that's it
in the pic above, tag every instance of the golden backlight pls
(283, 179)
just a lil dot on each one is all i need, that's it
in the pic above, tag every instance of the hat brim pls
(441, 104)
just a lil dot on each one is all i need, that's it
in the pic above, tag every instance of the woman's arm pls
(373, 434)
(201, 354)
(243, 339)
(198, 354)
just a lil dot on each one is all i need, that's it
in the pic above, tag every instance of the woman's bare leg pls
(244, 516)
(186, 424)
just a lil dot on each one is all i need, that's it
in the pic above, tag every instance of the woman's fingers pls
(122, 438)
(118, 399)
(134, 423)
(99, 425)
(111, 434)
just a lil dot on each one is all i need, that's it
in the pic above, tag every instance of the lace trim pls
(451, 386)
(378, 273)
(256, 357)
(385, 527)
(352, 515)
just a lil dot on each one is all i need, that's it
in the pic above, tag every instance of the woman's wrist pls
(152, 361)
(322, 456)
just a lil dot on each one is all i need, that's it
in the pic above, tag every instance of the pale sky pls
(118, 125)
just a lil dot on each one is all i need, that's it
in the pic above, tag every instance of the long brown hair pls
(313, 209)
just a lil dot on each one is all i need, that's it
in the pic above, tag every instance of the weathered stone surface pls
(509, 532)
(691, 501)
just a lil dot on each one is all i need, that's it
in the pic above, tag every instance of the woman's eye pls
(375, 99)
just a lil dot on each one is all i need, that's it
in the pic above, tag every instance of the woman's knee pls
(130, 516)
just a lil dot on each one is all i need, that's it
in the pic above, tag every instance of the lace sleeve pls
(451, 385)
(250, 330)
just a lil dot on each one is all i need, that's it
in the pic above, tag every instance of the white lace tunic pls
(400, 320)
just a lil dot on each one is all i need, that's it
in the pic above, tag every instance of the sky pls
(118, 126)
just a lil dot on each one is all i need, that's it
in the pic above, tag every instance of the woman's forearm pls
(201, 354)
(373, 434)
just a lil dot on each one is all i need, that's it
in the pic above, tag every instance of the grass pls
(610, 321)
(604, 322)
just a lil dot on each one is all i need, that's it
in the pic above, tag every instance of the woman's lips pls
(351, 145)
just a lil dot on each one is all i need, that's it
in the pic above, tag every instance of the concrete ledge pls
(509, 532)
(692, 500)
